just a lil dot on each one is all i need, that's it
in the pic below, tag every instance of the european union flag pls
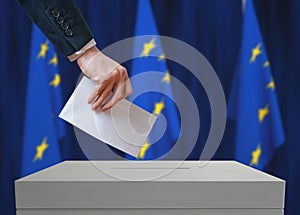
(253, 99)
(154, 102)
(43, 103)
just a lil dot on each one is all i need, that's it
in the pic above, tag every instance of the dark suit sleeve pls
(61, 22)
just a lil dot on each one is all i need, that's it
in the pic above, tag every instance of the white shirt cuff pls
(77, 54)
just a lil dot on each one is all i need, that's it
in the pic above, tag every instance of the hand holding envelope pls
(125, 126)
(108, 76)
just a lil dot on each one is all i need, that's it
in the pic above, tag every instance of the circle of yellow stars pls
(44, 48)
(264, 111)
(54, 61)
(158, 106)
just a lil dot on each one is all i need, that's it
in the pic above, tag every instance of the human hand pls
(108, 75)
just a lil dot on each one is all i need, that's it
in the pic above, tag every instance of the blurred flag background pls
(255, 54)
(165, 133)
(253, 101)
(42, 128)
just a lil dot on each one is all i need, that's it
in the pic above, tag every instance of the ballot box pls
(150, 188)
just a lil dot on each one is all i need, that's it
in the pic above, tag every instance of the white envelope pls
(125, 127)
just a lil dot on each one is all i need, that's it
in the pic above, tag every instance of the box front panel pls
(149, 195)
(150, 212)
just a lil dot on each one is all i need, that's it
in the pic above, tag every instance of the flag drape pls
(42, 128)
(155, 102)
(253, 101)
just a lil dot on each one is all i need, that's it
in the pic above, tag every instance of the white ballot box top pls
(158, 184)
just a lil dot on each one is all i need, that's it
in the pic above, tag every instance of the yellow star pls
(271, 85)
(148, 47)
(263, 112)
(56, 81)
(162, 57)
(159, 106)
(266, 64)
(40, 149)
(255, 52)
(54, 60)
(255, 156)
(143, 150)
(44, 49)
(167, 77)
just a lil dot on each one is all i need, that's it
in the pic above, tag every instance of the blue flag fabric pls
(154, 102)
(42, 128)
(253, 101)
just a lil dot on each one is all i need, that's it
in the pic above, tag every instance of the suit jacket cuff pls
(61, 22)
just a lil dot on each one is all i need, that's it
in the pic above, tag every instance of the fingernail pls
(90, 100)
(104, 109)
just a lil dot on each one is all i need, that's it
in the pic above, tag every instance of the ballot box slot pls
(154, 168)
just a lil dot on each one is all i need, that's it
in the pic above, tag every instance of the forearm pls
(63, 24)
